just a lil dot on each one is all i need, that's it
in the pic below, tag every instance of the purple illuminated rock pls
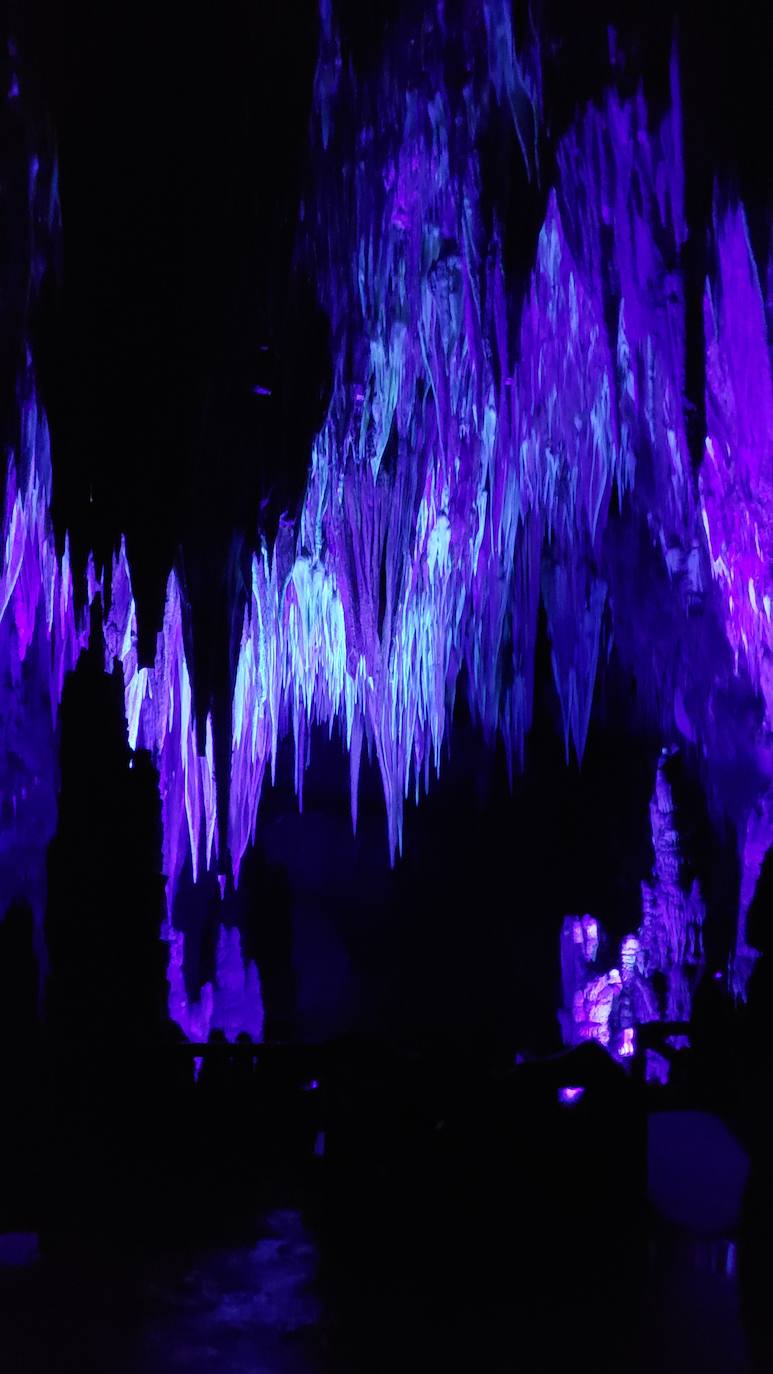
(486, 442)
(608, 1005)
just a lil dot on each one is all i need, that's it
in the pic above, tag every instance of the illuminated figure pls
(607, 1006)
(594, 1006)
(636, 1002)
(580, 941)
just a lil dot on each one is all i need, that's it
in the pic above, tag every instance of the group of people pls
(604, 1005)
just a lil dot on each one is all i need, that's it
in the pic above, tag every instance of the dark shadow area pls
(20, 1066)
(411, 1196)
(754, 1064)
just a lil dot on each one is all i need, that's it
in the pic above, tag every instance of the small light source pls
(568, 1096)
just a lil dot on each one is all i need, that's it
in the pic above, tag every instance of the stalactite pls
(482, 441)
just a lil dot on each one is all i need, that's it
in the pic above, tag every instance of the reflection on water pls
(250, 1309)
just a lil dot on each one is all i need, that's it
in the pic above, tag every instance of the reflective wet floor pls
(232, 1310)
(268, 1307)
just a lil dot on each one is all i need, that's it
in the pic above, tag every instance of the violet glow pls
(608, 1005)
(656, 1068)
(568, 1096)
(471, 465)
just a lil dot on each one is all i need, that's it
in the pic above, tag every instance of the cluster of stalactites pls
(38, 607)
(736, 479)
(736, 496)
(475, 442)
(477, 446)
(33, 581)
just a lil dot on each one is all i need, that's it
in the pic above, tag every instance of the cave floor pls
(269, 1307)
